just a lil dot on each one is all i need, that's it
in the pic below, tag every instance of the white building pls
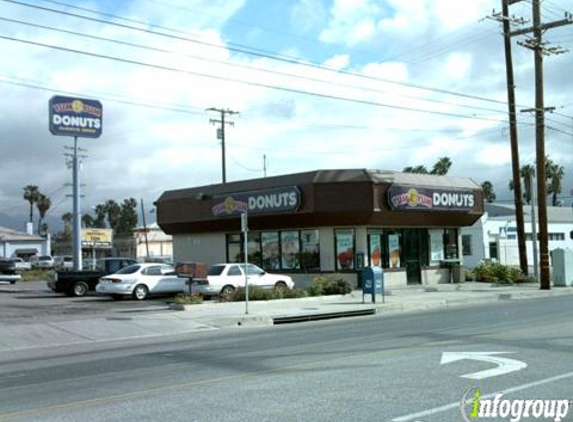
(494, 235)
(160, 245)
(17, 244)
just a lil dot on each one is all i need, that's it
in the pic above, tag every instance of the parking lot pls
(33, 301)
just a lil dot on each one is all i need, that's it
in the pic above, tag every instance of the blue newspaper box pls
(372, 283)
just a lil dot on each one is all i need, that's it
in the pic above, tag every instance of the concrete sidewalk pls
(215, 315)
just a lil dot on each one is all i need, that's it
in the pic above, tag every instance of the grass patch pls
(35, 275)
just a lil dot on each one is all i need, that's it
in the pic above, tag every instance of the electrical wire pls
(250, 83)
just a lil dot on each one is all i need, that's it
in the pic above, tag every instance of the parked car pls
(223, 279)
(79, 283)
(42, 261)
(63, 262)
(21, 265)
(142, 280)
(8, 271)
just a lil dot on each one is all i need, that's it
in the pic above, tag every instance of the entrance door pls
(412, 255)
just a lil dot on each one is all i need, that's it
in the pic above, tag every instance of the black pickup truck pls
(8, 271)
(79, 283)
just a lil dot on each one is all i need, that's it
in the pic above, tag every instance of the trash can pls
(455, 269)
(562, 267)
(372, 283)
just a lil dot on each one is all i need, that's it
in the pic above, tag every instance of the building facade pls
(328, 221)
(22, 245)
(494, 236)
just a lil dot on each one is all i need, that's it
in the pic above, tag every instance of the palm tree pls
(527, 173)
(417, 169)
(113, 213)
(488, 192)
(43, 204)
(88, 221)
(67, 218)
(442, 166)
(101, 212)
(31, 194)
(555, 174)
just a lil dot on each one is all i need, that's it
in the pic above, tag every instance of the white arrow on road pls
(504, 365)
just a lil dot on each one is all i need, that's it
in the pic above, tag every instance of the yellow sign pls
(97, 238)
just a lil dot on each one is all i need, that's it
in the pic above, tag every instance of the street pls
(385, 368)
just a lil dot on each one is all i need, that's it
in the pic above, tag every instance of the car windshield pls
(216, 269)
(45, 258)
(129, 270)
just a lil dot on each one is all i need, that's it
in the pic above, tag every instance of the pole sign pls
(97, 238)
(410, 198)
(267, 201)
(71, 116)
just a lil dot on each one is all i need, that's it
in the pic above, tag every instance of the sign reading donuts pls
(419, 199)
(75, 117)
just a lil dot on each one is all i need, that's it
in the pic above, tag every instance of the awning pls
(26, 251)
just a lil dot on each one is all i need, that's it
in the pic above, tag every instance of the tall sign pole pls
(75, 117)
(77, 228)
(221, 135)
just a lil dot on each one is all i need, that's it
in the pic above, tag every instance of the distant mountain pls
(18, 222)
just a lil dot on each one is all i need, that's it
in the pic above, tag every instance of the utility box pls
(373, 283)
(562, 267)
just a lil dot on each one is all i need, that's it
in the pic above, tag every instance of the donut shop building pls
(328, 222)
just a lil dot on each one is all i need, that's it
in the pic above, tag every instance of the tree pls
(527, 173)
(67, 218)
(31, 193)
(488, 192)
(128, 217)
(442, 166)
(113, 211)
(417, 169)
(555, 174)
(43, 203)
(88, 221)
(101, 213)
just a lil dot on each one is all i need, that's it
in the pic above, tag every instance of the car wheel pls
(281, 286)
(140, 292)
(12, 281)
(227, 291)
(80, 289)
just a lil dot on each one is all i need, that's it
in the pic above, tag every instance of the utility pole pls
(145, 229)
(265, 165)
(540, 48)
(221, 134)
(517, 192)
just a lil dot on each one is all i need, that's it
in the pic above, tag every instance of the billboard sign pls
(266, 201)
(411, 198)
(71, 116)
(97, 238)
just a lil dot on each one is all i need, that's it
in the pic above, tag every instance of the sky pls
(318, 84)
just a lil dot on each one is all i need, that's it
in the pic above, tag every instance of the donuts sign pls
(412, 198)
(75, 117)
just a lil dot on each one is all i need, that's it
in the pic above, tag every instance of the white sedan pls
(141, 280)
(223, 279)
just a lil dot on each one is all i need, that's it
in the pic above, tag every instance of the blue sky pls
(413, 81)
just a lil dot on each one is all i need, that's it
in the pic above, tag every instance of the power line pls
(242, 66)
(257, 84)
(239, 49)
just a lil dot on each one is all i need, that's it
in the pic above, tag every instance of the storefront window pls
(375, 248)
(394, 250)
(254, 248)
(270, 246)
(451, 243)
(234, 248)
(290, 248)
(436, 246)
(344, 249)
(466, 244)
(310, 255)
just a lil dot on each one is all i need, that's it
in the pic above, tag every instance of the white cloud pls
(352, 22)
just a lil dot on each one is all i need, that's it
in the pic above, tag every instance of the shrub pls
(258, 293)
(187, 299)
(498, 273)
(36, 275)
(329, 286)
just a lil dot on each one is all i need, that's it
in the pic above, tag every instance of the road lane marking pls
(446, 407)
(504, 365)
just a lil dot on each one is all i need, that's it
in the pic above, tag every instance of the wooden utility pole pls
(221, 134)
(517, 192)
(539, 48)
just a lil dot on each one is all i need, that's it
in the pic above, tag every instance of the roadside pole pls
(245, 230)
(77, 243)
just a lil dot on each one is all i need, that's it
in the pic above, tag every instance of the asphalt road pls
(382, 368)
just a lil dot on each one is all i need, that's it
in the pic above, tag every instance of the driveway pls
(33, 301)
